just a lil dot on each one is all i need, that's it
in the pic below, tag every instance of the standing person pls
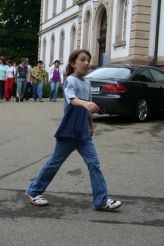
(55, 78)
(3, 73)
(21, 80)
(39, 77)
(75, 132)
(10, 77)
(29, 81)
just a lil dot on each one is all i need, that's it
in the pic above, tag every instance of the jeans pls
(2, 83)
(38, 90)
(63, 149)
(54, 88)
(21, 85)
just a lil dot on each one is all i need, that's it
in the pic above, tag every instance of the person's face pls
(0, 61)
(24, 63)
(81, 64)
(39, 65)
(56, 64)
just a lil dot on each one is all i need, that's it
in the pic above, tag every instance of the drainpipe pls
(157, 33)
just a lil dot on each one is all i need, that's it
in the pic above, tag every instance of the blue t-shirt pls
(3, 71)
(75, 120)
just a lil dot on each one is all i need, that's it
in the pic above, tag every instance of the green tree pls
(19, 27)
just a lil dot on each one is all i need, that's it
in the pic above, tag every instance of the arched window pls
(46, 10)
(61, 48)
(63, 5)
(54, 7)
(124, 20)
(73, 39)
(44, 51)
(52, 49)
(87, 31)
(121, 23)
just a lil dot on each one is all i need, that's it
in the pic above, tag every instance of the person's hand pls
(91, 107)
(91, 132)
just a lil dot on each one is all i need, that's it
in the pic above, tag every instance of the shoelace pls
(38, 198)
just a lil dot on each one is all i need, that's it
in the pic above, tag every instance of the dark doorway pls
(102, 39)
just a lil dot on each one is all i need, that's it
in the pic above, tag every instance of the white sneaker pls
(37, 201)
(110, 205)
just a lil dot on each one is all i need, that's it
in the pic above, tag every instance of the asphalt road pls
(132, 160)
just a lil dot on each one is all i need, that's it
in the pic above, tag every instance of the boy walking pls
(75, 132)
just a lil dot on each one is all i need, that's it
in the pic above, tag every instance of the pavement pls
(132, 161)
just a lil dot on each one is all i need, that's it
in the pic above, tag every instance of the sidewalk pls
(132, 162)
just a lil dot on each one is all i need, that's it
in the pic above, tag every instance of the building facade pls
(114, 31)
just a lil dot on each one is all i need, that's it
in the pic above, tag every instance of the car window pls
(145, 76)
(157, 75)
(110, 73)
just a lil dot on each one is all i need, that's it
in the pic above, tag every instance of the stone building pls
(114, 31)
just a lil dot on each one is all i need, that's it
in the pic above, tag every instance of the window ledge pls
(122, 43)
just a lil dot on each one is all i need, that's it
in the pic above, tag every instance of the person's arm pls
(72, 99)
(7, 72)
(61, 76)
(16, 74)
(49, 74)
(91, 126)
(90, 106)
(28, 75)
(33, 74)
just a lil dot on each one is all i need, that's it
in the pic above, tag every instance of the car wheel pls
(141, 110)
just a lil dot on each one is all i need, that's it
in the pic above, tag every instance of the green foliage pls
(46, 91)
(19, 27)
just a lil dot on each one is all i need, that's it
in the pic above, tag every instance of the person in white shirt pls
(55, 78)
(9, 84)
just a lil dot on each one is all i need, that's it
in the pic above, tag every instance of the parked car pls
(128, 90)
